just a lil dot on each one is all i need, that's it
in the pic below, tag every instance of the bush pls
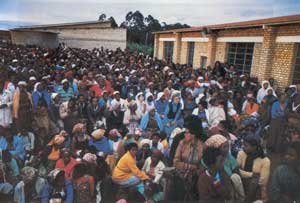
(148, 50)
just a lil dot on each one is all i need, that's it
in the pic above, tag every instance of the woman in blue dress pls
(172, 117)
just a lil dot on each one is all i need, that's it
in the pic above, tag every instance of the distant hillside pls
(5, 25)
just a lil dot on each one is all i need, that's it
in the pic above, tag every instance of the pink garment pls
(122, 201)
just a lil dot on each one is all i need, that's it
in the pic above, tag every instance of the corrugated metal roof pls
(251, 23)
(64, 24)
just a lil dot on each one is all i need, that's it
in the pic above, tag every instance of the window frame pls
(234, 51)
(190, 53)
(167, 50)
(295, 64)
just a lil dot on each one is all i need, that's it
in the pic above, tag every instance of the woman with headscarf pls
(230, 165)
(151, 122)
(263, 91)
(58, 189)
(132, 117)
(278, 124)
(100, 143)
(172, 116)
(254, 169)
(116, 144)
(140, 101)
(154, 166)
(80, 140)
(40, 93)
(214, 185)
(53, 149)
(149, 101)
(22, 107)
(161, 104)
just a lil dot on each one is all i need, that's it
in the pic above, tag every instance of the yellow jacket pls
(126, 168)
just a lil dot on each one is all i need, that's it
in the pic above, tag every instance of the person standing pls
(5, 106)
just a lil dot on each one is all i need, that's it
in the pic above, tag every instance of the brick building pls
(264, 48)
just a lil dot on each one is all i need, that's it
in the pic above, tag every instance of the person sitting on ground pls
(66, 162)
(285, 180)
(58, 189)
(214, 184)
(254, 168)
(83, 184)
(126, 173)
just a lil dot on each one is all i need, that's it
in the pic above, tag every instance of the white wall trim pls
(194, 39)
(167, 39)
(288, 39)
(240, 39)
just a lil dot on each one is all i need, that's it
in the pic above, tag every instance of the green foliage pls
(135, 47)
(140, 29)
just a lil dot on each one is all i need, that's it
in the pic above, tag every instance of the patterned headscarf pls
(90, 158)
(216, 141)
(114, 132)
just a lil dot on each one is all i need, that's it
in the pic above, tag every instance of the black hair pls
(295, 146)
(194, 124)
(203, 103)
(255, 141)
(79, 170)
(210, 155)
(156, 134)
(131, 145)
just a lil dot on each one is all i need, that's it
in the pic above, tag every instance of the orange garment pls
(126, 168)
(249, 110)
(16, 100)
(55, 152)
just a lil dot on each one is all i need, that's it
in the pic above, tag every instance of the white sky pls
(192, 12)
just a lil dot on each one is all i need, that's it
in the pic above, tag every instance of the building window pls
(240, 54)
(296, 72)
(191, 49)
(203, 62)
(168, 50)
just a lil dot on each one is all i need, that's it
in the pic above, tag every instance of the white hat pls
(22, 83)
(116, 92)
(200, 78)
(166, 68)
(53, 95)
(159, 95)
(15, 60)
(32, 78)
(146, 141)
(133, 71)
(293, 86)
(64, 81)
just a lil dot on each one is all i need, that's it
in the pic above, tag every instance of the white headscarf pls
(36, 85)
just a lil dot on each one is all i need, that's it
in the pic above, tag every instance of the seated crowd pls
(98, 125)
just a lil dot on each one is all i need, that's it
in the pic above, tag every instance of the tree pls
(102, 17)
(113, 22)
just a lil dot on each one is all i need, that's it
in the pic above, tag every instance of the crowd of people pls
(115, 126)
